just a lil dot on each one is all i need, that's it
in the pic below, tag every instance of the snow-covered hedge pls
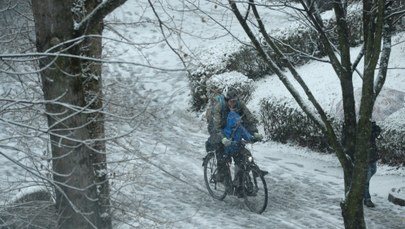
(392, 147)
(299, 42)
(294, 41)
(392, 142)
(32, 206)
(217, 84)
(202, 66)
(286, 124)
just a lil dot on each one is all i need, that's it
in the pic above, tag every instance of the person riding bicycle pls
(219, 135)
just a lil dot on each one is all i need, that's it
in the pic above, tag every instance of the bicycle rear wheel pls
(255, 190)
(216, 188)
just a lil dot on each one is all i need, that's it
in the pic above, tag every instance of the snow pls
(398, 193)
(161, 184)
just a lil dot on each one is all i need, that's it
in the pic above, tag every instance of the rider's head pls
(231, 96)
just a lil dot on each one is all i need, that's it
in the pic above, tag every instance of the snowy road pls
(304, 188)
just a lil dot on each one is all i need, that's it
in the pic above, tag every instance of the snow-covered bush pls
(293, 41)
(204, 64)
(392, 142)
(284, 124)
(392, 147)
(247, 62)
(33, 206)
(300, 43)
(218, 83)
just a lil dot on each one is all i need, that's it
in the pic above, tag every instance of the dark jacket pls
(375, 133)
(219, 119)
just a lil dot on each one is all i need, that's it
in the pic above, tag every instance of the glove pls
(258, 137)
(226, 142)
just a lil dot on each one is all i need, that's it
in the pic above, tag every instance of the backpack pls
(210, 144)
(210, 111)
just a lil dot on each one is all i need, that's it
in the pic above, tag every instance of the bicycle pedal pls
(252, 194)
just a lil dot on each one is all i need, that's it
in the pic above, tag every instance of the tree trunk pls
(94, 99)
(352, 208)
(74, 178)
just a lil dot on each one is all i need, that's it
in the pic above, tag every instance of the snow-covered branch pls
(102, 10)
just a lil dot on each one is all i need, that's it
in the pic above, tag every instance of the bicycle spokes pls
(255, 191)
(215, 188)
(250, 179)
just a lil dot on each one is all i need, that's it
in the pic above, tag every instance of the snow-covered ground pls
(161, 185)
(305, 187)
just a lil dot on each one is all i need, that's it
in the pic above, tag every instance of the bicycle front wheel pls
(255, 190)
(216, 188)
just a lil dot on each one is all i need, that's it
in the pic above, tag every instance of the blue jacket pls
(235, 131)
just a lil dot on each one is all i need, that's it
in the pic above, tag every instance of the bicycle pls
(254, 188)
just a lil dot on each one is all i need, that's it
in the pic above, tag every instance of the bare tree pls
(352, 151)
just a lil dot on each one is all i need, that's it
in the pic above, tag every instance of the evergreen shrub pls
(285, 124)
(391, 147)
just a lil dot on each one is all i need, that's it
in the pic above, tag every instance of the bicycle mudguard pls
(206, 157)
(264, 172)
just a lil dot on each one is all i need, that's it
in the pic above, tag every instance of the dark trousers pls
(372, 169)
(237, 158)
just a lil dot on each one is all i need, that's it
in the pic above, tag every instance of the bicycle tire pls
(216, 189)
(255, 190)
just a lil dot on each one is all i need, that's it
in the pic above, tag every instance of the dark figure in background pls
(372, 163)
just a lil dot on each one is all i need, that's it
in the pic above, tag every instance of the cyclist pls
(218, 132)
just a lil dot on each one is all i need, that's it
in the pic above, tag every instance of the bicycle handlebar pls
(244, 142)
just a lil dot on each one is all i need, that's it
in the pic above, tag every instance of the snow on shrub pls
(392, 142)
(299, 43)
(204, 64)
(211, 60)
(287, 124)
(218, 83)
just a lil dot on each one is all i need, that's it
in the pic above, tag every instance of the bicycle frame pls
(248, 179)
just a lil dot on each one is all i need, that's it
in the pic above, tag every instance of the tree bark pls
(71, 86)
(93, 84)
(63, 89)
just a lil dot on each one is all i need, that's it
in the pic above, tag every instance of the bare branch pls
(100, 12)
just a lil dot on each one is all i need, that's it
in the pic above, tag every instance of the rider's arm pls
(249, 120)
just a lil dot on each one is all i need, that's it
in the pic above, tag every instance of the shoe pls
(229, 190)
(252, 192)
(239, 192)
(369, 203)
(219, 177)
